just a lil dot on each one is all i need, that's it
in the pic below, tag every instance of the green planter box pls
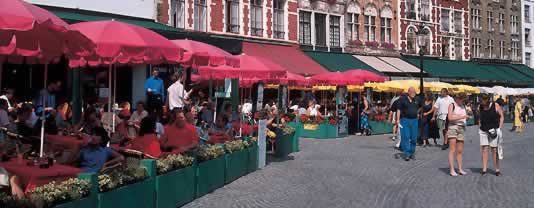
(381, 127)
(137, 195)
(298, 129)
(253, 154)
(319, 131)
(140, 194)
(87, 202)
(236, 165)
(284, 145)
(176, 188)
(210, 176)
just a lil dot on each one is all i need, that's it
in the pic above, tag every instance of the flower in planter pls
(355, 43)
(387, 45)
(288, 130)
(173, 162)
(372, 44)
(210, 152)
(52, 193)
(304, 118)
(319, 120)
(121, 176)
(235, 145)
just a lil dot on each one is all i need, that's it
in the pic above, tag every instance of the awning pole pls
(43, 118)
(110, 69)
(114, 98)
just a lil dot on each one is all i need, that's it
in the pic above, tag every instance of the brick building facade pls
(445, 23)
(527, 29)
(246, 19)
(495, 29)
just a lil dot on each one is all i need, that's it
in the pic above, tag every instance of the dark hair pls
(445, 90)
(484, 97)
(24, 109)
(140, 103)
(88, 111)
(101, 132)
(148, 125)
(3, 102)
(429, 96)
(461, 95)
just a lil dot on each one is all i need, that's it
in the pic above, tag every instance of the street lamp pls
(421, 41)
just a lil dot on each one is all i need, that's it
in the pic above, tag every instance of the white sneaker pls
(397, 145)
(393, 138)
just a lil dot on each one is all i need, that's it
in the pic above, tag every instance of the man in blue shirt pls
(155, 92)
(408, 108)
(96, 156)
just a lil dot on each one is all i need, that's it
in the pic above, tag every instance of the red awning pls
(289, 57)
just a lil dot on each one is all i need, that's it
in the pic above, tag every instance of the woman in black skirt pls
(428, 126)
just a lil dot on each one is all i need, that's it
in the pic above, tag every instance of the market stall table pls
(33, 176)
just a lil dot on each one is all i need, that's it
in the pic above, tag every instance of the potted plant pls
(134, 182)
(236, 159)
(389, 46)
(175, 182)
(210, 169)
(372, 44)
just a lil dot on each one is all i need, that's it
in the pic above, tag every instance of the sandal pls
(498, 173)
(484, 173)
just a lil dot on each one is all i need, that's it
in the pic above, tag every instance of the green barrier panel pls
(322, 131)
(284, 145)
(140, 194)
(381, 127)
(236, 165)
(176, 188)
(210, 176)
(89, 201)
(298, 129)
(253, 158)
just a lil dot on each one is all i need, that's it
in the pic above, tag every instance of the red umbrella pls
(33, 35)
(122, 43)
(251, 67)
(366, 76)
(201, 54)
(336, 78)
(294, 79)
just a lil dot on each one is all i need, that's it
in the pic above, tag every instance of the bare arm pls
(365, 105)
(501, 114)
(115, 158)
(398, 115)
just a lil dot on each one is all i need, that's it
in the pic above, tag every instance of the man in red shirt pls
(180, 136)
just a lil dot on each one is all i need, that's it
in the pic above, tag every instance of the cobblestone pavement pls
(363, 172)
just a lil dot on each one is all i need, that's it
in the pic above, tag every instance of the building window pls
(369, 25)
(425, 10)
(501, 49)
(385, 25)
(514, 24)
(445, 47)
(458, 22)
(476, 47)
(445, 20)
(320, 29)
(458, 48)
(334, 31)
(279, 26)
(411, 40)
(410, 9)
(353, 24)
(256, 18)
(527, 13)
(490, 21)
(490, 48)
(527, 59)
(305, 28)
(178, 15)
(200, 15)
(515, 50)
(475, 18)
(232, 16)
(501, 22)
(527, 36)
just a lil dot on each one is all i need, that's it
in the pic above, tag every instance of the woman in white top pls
(457, 116)
(312, 109)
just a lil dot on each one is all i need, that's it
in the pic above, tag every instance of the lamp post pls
(421, 41)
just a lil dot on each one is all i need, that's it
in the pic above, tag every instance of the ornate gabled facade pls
(274, 20)
(321, 25)
(371, 27)
(445, 24)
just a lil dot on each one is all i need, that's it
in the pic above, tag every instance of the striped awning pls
(400, 64)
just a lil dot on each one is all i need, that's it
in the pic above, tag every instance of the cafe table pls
(33, 176)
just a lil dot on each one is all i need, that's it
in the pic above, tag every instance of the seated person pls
(90, 121)
(135, 119)
(24, 123)
(147, 141)
(95, 157)
(63, 116)
(206, 114)
(180, 135)
(221, 127)
(191, 116)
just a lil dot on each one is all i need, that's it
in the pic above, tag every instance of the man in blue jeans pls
(408, 109)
